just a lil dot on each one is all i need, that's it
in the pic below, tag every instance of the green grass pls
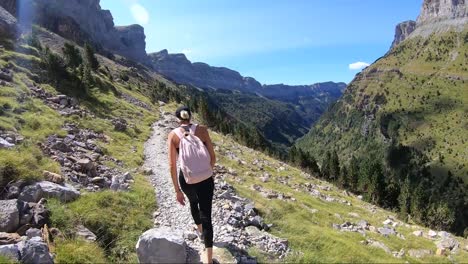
(78, 251)
(312, 233)
(5, 260)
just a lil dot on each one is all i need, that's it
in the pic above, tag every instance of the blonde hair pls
(185, 115)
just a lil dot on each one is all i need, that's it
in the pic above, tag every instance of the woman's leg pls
(205, 191)
(190, 192)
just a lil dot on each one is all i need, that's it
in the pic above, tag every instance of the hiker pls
(192, 144)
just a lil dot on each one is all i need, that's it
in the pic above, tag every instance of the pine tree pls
(326, 170)
(72, 55)
(343, 181)
(353, 174)
(334, 166)
(404, 199)
(313, 166)
(90, 57)
(377, 183)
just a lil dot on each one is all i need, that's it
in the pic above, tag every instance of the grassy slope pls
(424, 83)
(312, 233)
(117, 218)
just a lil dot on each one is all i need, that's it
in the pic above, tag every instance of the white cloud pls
(358, 65)
(140, 14)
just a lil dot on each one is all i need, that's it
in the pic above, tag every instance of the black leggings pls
(200, 196)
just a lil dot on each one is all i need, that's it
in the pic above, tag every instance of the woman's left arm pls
(209, 146)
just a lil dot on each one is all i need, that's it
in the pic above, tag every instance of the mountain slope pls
(282, 113)
(410, 107)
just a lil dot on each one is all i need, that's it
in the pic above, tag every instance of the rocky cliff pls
(439, 10)
(180, 69)
(435, 16)
(85, 21)
(7, 23)
(402, 31)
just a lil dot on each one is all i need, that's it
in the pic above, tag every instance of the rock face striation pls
(435, 16)
(84, 21)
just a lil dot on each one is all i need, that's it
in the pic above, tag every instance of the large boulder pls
(9, 215)
(10, 251)
(161, 245)
(65, 193)
(35, 250)
(31, 193)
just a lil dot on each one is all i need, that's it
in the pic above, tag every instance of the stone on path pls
(161, 245)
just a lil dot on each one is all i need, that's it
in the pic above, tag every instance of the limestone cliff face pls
(435, 16)
(178, 68)
(437, 10)
(402, 31)
(85, 21)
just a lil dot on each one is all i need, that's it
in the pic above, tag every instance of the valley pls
(372, 171)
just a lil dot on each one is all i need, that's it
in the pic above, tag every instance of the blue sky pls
(274, 41)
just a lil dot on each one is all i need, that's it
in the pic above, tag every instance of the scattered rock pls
(9, 215)
(9, 238)
(5, 144)
(161, 245)
(53, 177)
(388, 222)
(35, 250)
(418, 233)
(85, 233)
(379, 244)
(31, 193)
(120, 124)
(448, 243)
(147, 171)
(10, 251)
(432, 234)
(386, 231)
(419, 253)
(33, 232)
(65, 193)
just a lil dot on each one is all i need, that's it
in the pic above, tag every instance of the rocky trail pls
(235, 221)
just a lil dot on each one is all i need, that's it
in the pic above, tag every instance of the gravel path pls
(170, 213)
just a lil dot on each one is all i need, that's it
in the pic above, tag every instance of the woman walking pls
(193, 146)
